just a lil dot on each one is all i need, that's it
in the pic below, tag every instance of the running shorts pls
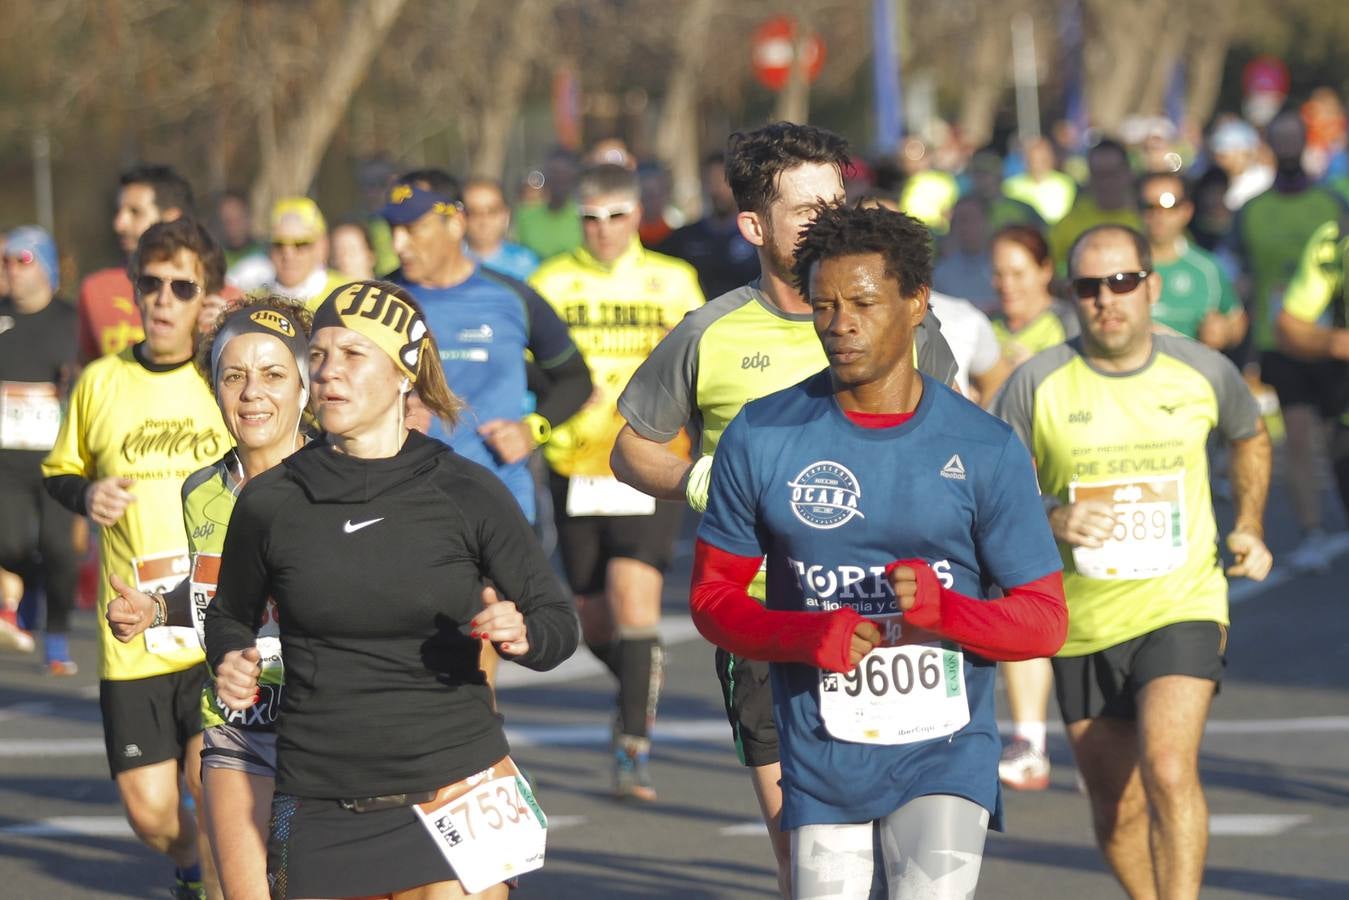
(1107, 683)
(748, 696)
(248, 750)
(319, 848)
(149, 720)
(1318, 383)
(587, 543)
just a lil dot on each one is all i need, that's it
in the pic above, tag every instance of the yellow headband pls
(370, 308)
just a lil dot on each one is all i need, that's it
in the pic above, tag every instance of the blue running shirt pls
(830, 503)
(484, 325)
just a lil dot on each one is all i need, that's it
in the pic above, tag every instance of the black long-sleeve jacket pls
(376, 567)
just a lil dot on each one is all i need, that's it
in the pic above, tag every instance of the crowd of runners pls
(938, 421)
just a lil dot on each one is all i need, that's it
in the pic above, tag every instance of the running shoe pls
(12, 637)
(62, 668)
(1022, 767)
(632, 774)
(188, 890)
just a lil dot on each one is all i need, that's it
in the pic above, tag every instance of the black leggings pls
(35, 542)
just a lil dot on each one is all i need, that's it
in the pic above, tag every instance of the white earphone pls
(405, 387)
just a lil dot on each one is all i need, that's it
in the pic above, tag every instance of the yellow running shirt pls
(617, 315)
(1135, 440)
(156, 428)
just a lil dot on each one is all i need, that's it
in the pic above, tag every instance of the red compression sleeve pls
(1029, 622)
(729, 617)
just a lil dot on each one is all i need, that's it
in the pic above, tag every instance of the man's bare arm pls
(1250, 480)
(651, 467)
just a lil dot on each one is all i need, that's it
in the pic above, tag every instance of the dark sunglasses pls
(295, 245)
(184, 290)
(1119, 283)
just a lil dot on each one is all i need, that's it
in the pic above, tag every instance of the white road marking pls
(117, 827)
(1249, 825)
(1218, 826)
(73, 826)
(18, 747)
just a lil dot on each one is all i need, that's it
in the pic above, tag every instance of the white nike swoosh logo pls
(350, 527)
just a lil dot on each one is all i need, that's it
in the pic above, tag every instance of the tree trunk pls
(985, 77)
(1120, 37)
(306, 135)
(510, 79)
(1165, 54)
(677, 139)
(1207, 55)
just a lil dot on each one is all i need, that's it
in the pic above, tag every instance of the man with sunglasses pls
(296, 264)
(138, 423)
(1197, 298)
(1118, 420)
(109, 319)
(619, 299)
(37, 363)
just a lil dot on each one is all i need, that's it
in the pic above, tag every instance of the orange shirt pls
(108, 317)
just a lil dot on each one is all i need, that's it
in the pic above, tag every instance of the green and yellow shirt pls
(208, 501)
(1136, 441)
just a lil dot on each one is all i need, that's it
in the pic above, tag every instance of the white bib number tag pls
(1149, 535)
(897, 694)
(489, 827)
(30, 415)
(205, 576)
(162, 571)
(606, 496)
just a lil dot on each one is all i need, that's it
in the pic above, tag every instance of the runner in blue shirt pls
(484, 322)
(890, 509)
(487, 218)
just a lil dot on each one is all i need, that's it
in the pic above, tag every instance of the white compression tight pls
(931, 849)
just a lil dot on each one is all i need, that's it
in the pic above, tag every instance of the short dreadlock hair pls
(838, 230)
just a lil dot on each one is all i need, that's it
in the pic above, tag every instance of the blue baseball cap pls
(38, 242)
(407, 203)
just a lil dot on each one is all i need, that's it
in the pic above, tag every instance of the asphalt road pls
(1275, 764)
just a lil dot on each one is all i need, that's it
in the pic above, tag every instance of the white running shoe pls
(15, 638)
(1022, 767)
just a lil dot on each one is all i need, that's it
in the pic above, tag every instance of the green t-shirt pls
(1272, 230)
(548, 232)
(1193, 285)
(1137, 441)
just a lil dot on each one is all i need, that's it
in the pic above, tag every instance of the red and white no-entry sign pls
(774, 50)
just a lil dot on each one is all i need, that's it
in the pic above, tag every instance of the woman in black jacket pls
(393, 775)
